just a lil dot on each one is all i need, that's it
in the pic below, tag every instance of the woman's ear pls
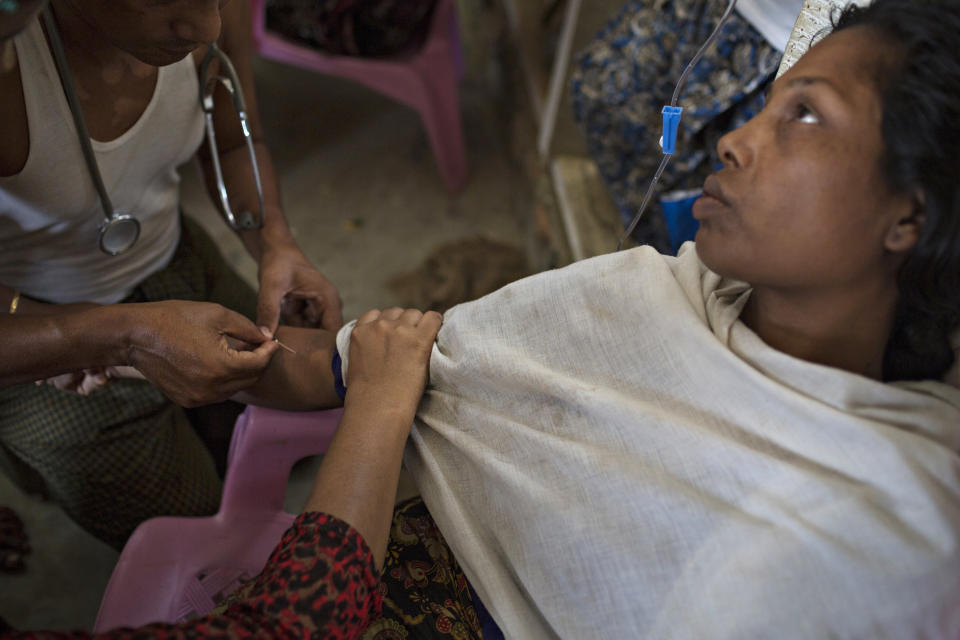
(905, 232)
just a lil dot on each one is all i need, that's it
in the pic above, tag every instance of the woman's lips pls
(712, 201)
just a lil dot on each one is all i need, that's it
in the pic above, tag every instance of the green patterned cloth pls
(125, 453)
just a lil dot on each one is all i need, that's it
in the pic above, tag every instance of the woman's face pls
(801, 201)
(157, 32)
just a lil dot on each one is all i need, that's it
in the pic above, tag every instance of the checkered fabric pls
(125, 453)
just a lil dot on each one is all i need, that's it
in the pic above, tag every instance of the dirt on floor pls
(458, 271)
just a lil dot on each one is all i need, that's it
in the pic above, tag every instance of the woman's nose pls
(199, 22)
(735, 148)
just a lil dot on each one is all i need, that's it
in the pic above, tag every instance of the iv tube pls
(671, 122)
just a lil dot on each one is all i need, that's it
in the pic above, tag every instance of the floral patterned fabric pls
(320, 582)
(624, 77)
(425, 593)
(352, 27)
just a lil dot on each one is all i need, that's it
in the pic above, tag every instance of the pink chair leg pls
(438, 72)
(441, 117)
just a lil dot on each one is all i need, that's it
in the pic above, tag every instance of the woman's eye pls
(806, 115)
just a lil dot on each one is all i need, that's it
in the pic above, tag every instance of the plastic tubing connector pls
(671, 121)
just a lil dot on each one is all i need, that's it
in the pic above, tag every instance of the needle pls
(285, 346)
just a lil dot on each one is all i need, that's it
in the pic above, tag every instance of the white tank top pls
(774, 19)
(50, 213)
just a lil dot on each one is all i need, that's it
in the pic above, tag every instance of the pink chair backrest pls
(424, 80)
(172, 569)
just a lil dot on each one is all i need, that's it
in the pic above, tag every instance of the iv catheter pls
(119, 231)
(671, 122)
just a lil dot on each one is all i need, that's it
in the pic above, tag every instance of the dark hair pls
(919, 87)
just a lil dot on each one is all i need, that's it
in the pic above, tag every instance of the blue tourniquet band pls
(337, 366)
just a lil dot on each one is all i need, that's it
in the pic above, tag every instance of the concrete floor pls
(366, 202)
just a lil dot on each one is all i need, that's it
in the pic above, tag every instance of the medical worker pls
(168, 306)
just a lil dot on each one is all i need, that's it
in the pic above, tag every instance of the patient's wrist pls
(381, 404)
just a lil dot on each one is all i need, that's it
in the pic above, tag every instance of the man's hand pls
(197, 352)
(291, 287)
(390, 358)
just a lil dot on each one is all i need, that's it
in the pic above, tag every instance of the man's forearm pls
(236, 42)
(26, 306)
(241, 187)
(42, 346)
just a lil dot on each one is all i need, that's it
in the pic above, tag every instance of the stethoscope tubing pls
(118, 231)
(66, 79)
(231, 84)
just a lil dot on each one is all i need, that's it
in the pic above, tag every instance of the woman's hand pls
(197, 352)
(390, 357)
(389, 360)
(291, 287)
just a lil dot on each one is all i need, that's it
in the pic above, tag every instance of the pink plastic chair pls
(173, 569)
(425, 80)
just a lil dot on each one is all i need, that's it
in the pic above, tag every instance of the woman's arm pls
(389, 355)
(321, 579)
(389, 359)
(301, 381)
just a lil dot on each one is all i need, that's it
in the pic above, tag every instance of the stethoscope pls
(119, 230)
(671, 121)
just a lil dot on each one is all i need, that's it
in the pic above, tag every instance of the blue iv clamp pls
(671, 122)
(668, 142)
(677, 206)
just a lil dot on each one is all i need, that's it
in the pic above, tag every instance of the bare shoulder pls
(14, 129)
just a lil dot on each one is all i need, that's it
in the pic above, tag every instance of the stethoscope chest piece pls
(118, 233)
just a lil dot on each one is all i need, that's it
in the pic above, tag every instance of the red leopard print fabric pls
(320, 582)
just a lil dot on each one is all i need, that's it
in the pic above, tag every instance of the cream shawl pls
(610, 453)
